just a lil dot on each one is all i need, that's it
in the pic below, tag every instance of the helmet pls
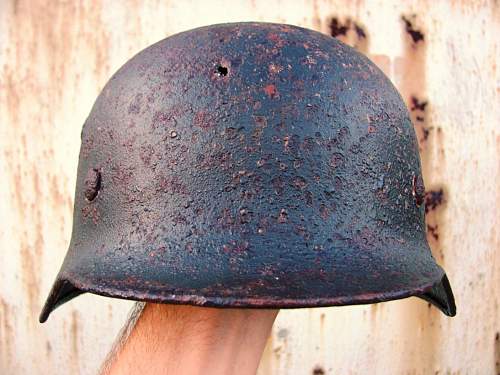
(250, 165)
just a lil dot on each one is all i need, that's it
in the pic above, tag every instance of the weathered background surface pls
(56, 56)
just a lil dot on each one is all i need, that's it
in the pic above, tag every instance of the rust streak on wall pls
(421, 322)
(349, 31)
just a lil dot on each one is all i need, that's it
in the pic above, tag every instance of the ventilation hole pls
(222, 71)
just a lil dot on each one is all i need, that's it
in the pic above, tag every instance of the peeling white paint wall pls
(55, 56)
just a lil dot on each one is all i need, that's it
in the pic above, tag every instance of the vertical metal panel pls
(443, 56)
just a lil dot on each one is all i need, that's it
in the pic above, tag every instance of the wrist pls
(194, 340)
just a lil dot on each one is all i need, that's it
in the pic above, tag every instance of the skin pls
(179, 339)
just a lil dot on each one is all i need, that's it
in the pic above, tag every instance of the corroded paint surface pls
(250, 165)
(55, 60)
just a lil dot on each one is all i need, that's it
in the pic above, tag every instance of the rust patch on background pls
(31, 251)
(318, 370)
(411, 74)
(338, 28)
(46, 50)
(410, 70)
(432, 231)
(415, 34)
(48, 348)
(7, 333)
(316, 18)
(75, 341)
(26, 76)
(418, 112)
(29, 272)
(350, 32)
(281, 350)
(266, 360)
(433, 199)
(74, 332)
(496, 353)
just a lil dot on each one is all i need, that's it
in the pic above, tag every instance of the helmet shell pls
(250, 165)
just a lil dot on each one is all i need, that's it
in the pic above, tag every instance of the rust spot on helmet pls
(275, 68)
(283, 216)
(92, 184)
(271, 91)
(203, 120)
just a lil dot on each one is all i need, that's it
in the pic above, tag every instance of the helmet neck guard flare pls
(250, 165)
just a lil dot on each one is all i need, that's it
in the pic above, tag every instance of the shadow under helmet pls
(250, 165)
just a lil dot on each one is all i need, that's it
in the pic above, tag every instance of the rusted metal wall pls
(443, 56)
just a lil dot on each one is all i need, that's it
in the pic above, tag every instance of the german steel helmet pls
(250, 165)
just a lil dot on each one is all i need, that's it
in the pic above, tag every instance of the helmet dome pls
(250, 165)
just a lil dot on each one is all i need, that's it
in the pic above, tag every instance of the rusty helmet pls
(250, 165)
